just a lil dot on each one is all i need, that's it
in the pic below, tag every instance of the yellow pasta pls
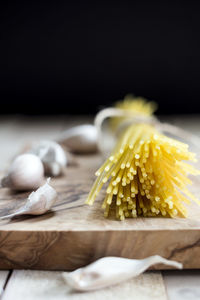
(136, 105)
(145, 175)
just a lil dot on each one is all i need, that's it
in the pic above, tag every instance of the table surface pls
(15, 132)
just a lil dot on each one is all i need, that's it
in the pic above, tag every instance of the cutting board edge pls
(68, 250)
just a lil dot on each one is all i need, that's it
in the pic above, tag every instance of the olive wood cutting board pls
(74, 234)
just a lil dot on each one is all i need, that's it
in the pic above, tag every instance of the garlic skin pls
(112, 270)
(41, 200)
(38, 202)
(52, 156)
(80, 139)
(25, 173)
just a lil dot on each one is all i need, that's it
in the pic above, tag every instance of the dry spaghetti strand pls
(146, 175)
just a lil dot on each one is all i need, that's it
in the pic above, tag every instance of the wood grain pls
(74, 234)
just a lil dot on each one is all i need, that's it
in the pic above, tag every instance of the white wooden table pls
(15, 131)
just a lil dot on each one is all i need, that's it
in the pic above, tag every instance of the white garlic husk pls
(80, 139)
(112, 270)
(52, 155)
(38, 202)
(25, 173)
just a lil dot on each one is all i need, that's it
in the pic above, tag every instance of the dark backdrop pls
(77, 56)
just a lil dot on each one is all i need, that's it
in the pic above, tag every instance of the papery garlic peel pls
(25, 173)
(112, 270)
(52, 156)
(80, 139)
(38, 202)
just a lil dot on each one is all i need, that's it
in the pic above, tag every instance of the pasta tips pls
(138, 105)
(146, 175)
(135, 105)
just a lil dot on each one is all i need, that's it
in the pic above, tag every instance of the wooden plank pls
(48, 234)
(76, 234)
(3, 277)
(182, 285)
(40, 285)
(14, 132)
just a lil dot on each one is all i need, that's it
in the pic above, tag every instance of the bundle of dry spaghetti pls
(146, 175)
(134, 106)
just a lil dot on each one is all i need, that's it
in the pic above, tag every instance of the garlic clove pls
(112, 270)
(80, 139)
(42, 200)
(52, 156)
(25, 173)
(38, 202)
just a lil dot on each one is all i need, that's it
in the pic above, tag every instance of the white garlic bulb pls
(52, 156)
(112, 270)
(38, 202)
(80, 139)
(25, 173)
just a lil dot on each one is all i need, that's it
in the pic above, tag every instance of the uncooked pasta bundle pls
(138, 105)
(146, 175)
(134, 106)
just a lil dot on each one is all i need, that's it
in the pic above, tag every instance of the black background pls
(77, 56)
